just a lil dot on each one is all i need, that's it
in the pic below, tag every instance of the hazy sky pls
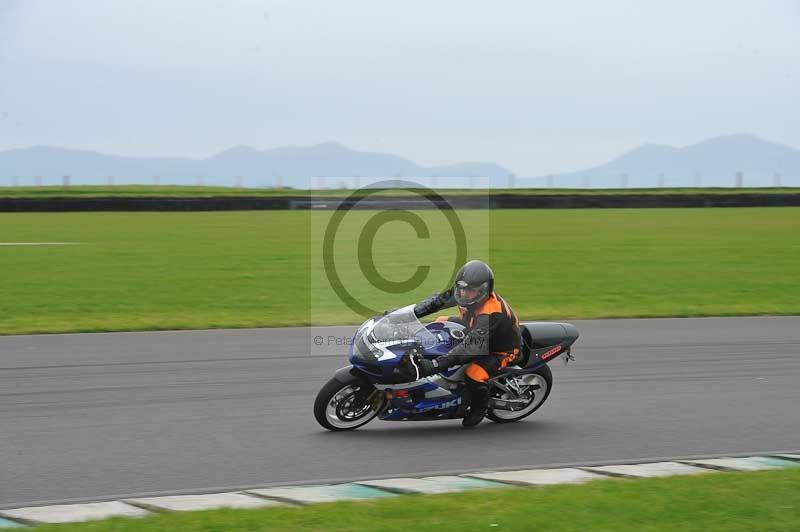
(539, 86)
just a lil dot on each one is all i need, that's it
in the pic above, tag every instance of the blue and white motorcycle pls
(369, 388)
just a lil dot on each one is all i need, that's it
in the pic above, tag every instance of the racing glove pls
(414, 367)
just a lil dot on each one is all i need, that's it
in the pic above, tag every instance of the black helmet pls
(474, 284)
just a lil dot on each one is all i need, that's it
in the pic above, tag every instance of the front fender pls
(345, 375)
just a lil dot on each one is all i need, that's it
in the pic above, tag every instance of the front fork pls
(367, 393)
(377, 400)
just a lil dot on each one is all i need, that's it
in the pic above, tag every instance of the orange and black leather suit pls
(492, 337)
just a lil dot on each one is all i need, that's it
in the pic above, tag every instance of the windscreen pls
(398, 327)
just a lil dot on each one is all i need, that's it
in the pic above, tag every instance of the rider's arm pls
(475, 343)
(435, 303)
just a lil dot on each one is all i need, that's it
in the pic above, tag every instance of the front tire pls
(338, 406)
(537, 384)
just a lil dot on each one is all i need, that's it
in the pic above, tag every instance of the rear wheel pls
(532, 388)
(344, 406)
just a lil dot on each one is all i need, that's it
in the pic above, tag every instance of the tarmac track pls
(95, 416)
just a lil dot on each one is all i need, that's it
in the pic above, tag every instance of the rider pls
(491, 341)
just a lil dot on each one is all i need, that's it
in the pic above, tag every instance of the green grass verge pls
(729, 502)
(139, 271)
(195, 191)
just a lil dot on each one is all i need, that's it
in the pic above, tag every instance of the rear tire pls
(336, 408)
(545, 380)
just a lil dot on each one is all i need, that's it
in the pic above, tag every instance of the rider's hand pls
(427, 367)
(414, 367)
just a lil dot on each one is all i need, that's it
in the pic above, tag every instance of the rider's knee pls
(477, 373)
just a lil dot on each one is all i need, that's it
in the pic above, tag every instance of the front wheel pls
(534, 388)
(341, 406)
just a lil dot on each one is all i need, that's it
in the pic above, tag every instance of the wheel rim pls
(345, 411)
(532, 386)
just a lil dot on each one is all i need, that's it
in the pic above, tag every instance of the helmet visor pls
(470, 294)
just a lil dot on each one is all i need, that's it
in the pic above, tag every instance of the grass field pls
(195, 191)
(725, 502)
(139, 271)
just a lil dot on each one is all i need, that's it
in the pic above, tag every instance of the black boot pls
(478, 394)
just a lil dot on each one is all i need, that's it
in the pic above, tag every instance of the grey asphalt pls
(102, 415)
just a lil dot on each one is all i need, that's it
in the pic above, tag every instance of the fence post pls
(739, 179)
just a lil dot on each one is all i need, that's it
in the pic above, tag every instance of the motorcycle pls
(370, 386)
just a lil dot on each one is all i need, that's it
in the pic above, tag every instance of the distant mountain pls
(327, 164)
(713, 162)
